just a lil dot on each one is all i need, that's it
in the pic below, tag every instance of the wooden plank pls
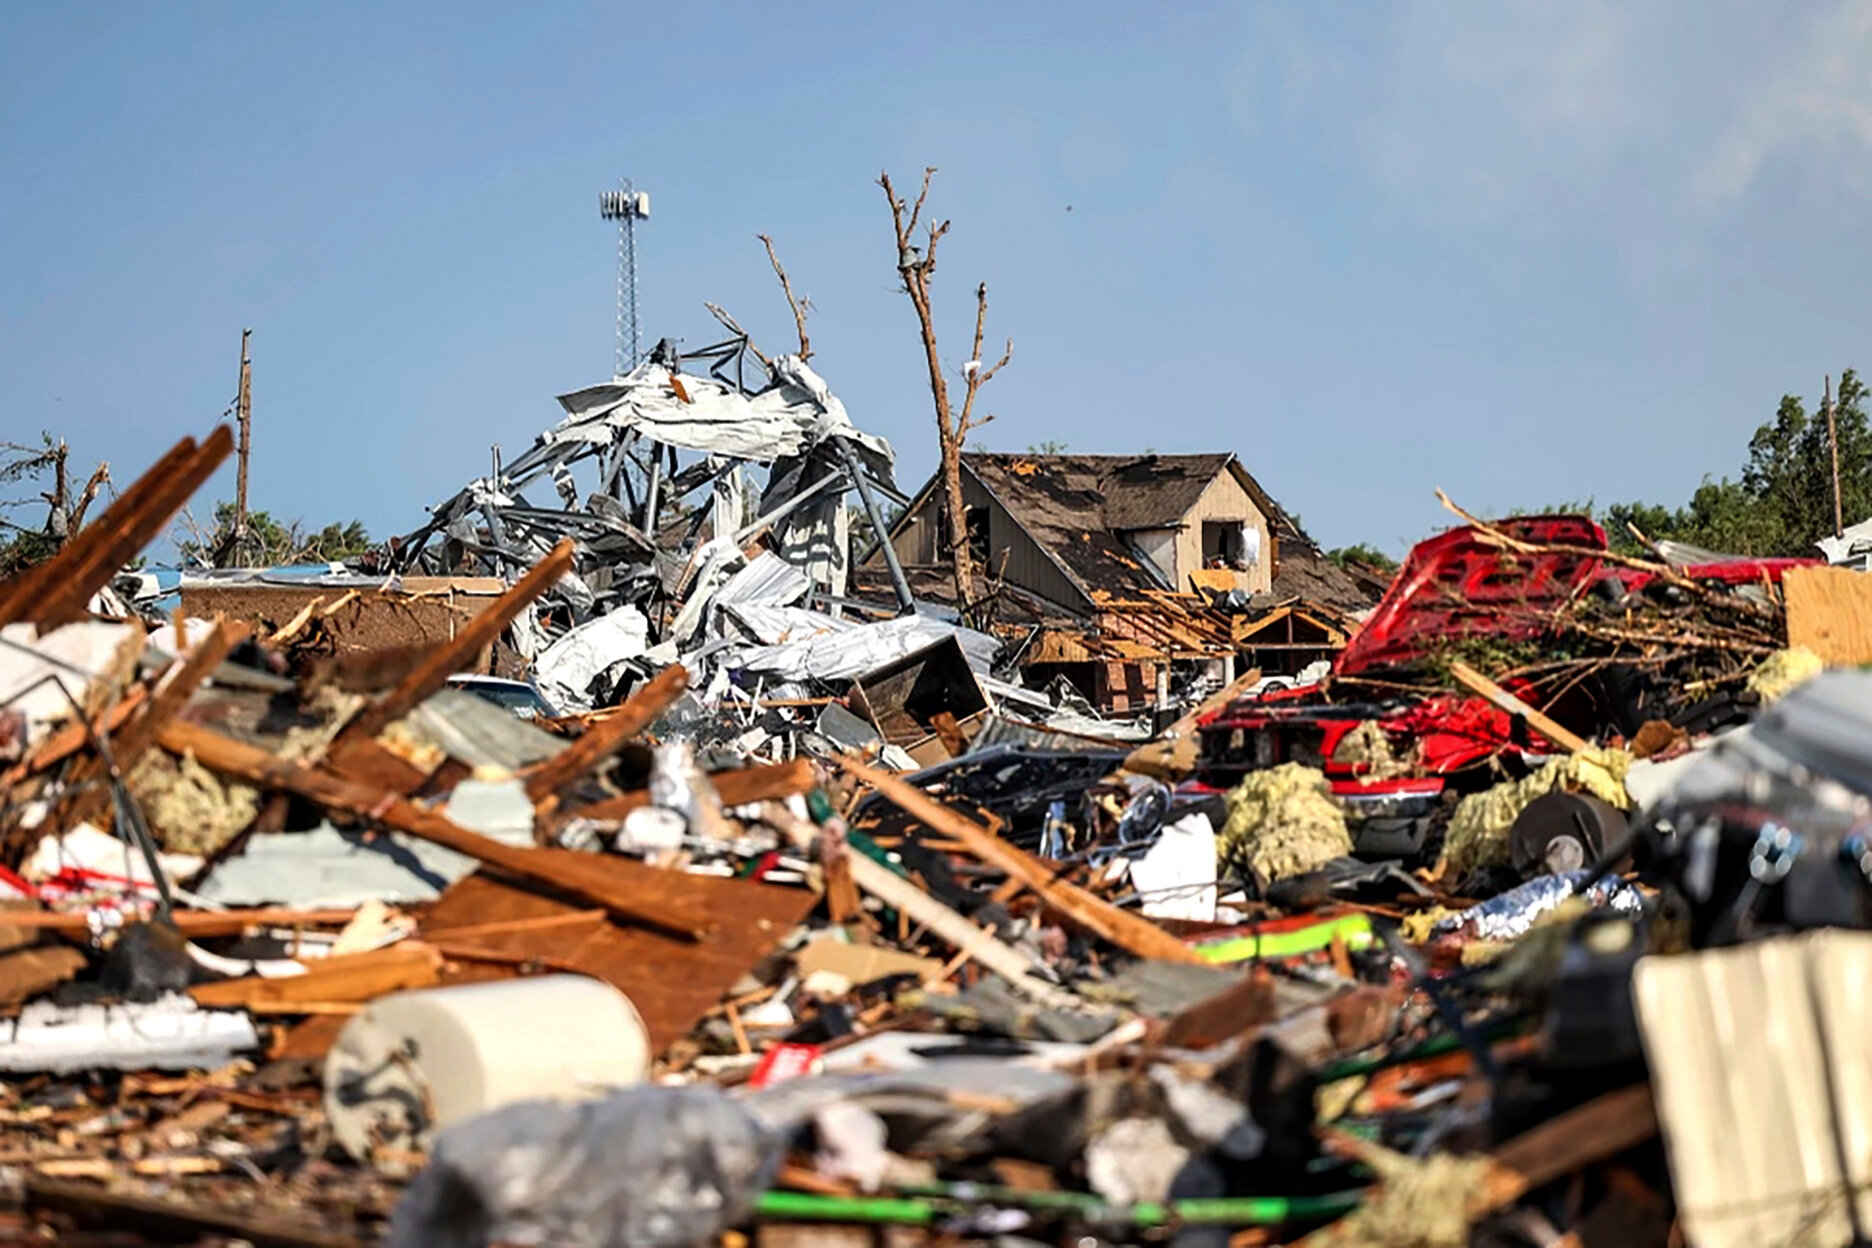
(900, 894)
(1128, 931)
(90, 798)
(176, 1222)
(1595, 1131)
(1481, 685)
(672, 983)
(29, 586)
(1829, 611)
(66, 598)
(644, 707)
(444, 661)
(348, 979)
(72, 738)
(570, 874)
(188, 922)
(1565, 1144)
(741, 787)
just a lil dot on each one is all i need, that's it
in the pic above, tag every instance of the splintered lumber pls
(174, 1221)
(1565, 1144)
(643, 708)
(130, 743)
(1128, 931)
(120, 535)
(188, 922)
(1481, 685)
(347, 979)
(445, 660)
(27, 589)
(1829, 611)
(900, 894)
(1595, 1131)
(565, 873)
(72, 738)
(742, 786)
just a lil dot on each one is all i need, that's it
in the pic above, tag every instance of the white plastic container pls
(413, 1062)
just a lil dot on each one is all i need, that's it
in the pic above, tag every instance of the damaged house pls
(1122, 567)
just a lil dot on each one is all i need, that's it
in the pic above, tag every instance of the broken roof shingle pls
(1125, 491)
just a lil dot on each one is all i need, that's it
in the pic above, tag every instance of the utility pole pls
(1839, 519)
(244, 414)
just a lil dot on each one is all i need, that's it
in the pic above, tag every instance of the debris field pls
(681, 860)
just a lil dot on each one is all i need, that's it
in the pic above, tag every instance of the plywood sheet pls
(672, 982)
(1829, 611)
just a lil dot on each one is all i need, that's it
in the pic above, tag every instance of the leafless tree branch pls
(799, 306)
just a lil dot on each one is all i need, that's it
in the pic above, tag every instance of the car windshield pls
(520, 699)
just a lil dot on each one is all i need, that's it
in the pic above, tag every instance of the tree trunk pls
(952, 430)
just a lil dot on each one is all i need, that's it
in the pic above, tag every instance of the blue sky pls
(1525, 252)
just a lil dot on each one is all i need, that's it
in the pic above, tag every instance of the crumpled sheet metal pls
(841, 649)
(1512, 914)
(797, 413)
(567, 669)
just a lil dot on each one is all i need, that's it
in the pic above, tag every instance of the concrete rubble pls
(669, 880)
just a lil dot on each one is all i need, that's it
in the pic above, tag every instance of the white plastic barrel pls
(413, 1062)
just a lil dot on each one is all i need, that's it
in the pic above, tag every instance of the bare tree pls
(65, 514)
(800, 306)
(915, 266)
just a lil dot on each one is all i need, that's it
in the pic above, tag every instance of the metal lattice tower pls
(626, 206)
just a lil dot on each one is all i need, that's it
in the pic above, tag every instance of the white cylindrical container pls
(410, 1063)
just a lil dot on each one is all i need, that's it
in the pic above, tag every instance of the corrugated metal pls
(768, 580)
(1224, 500)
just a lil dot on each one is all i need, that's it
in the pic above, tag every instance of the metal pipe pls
(905, 603)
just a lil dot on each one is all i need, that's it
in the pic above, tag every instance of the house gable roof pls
(1081, 509)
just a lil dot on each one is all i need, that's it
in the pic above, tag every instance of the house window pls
(1230, 544)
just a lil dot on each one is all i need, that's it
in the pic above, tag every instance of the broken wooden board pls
(1829, 611)
(672, 982)
(444, 661)
(573, 873)
(1130, 932)
(743, 786)
(349, 978)
(644, 707)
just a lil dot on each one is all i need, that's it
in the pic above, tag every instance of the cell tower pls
(626, 206)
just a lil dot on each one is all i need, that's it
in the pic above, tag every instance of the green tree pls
(1783, 501)
(1363, 555)
(269, 541)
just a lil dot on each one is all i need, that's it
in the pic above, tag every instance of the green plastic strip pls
(1354, 929)
(806, 1207)
(935, 1201)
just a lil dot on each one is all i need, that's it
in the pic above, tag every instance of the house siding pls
(1225, 500)
(1013, 555)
